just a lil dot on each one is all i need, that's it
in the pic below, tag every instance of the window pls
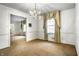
(51, 26)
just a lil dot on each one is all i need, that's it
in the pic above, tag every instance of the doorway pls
(17, 27)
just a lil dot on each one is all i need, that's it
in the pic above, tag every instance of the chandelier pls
(34, 12)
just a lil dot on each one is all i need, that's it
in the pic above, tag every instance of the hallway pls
(38, 48)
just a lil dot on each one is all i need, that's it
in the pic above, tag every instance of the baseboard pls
(68, 43)
(57, 42)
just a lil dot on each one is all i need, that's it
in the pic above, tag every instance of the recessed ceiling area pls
(43, 7)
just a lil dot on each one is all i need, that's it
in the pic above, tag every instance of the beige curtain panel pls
(57, 26)
(45, 27)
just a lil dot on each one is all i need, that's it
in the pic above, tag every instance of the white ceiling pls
(43, 7)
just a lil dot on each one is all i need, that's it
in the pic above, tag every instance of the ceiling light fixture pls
(34, 12)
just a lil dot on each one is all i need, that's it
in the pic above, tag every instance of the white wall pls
(77, 28)
(4, 28)
(68, 26)
(40, 28)
(5, 24)
(32, 32)
(17, 27)
(12, 28)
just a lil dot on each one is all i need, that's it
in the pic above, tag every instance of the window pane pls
(51, 26)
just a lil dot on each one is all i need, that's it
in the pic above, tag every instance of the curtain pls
(57, 26)
(45, 27)
(56, 15)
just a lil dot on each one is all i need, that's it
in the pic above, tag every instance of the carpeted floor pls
(38, 48)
